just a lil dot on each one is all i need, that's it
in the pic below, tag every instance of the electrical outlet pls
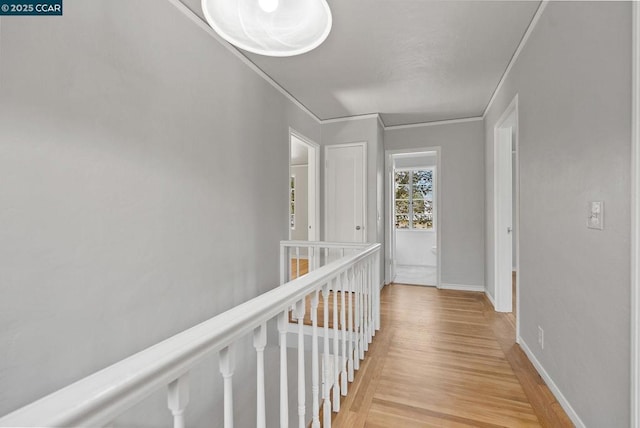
(541, 337)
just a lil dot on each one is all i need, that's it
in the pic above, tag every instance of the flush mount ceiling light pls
(270, 27)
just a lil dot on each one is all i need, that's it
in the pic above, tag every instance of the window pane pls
(423, 188)
(402, 177)
(402, 206)
(422, 221)
(419, 207)
(402, 221)
(428, 207)
(402, 192)
(417, 194)
(422, 176)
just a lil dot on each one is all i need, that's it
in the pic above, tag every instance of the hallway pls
(444, 358)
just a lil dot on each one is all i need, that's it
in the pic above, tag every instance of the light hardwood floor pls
(446, 359)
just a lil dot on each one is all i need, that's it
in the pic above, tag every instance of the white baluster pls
(299, 313)
(259, 342)
(336, 347)
(343, 321)
(361, 330)
(365, 305)
(314, 362)
(371, 322)
(350, 324)
(377, 291)
(297, 262)
(283, 321)
(178, 398)
(356, 325)
(226, 369)
(369, 282)
(326, 390)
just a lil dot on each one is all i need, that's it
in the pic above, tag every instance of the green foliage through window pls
(414, 199)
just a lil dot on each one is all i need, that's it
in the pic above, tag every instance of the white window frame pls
(292, 202)
(433, 170)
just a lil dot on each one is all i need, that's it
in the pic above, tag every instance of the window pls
(292, 203)
(414, 199)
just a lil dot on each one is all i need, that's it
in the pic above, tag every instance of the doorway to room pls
(304, 161)
(413, 217)
(505, 227)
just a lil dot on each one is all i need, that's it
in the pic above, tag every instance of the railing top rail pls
(99, 398)
(322, 244)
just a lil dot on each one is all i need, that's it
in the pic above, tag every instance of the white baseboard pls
(490, 297)
(461, 287)
(552, 386)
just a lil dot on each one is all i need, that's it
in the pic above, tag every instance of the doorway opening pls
(506, 205)
(413, 226)
(304, 169)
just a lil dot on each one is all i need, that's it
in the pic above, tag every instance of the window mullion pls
(410, 190)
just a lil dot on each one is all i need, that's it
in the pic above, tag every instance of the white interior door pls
(504, 224)
(345, 193)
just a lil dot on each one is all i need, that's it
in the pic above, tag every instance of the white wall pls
(414, 248)
(415, 160)
(461, 210)
(573, 78)
(144, 173)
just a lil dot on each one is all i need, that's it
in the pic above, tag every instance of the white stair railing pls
(348, 269)
(294, 255)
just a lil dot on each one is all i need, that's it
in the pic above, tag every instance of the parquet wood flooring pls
(446, 359)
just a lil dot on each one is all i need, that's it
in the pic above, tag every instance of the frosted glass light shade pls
(270, 27)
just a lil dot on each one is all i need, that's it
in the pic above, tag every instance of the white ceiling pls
(411, 61)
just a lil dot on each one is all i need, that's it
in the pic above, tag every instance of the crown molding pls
(188, 13)
(434, 123)
(206, 28)
(350, 118)
(516, 54)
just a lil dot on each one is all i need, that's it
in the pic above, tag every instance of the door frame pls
(313, 184)
(390, 246)
(365, 212)
(635, 220)
(511, 115)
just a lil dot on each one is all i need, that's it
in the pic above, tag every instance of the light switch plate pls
(595, 219)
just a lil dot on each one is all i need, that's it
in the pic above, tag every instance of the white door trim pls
(365, 211)
(314, 183)
(635, 221)
(389, 221)
(512, 109)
